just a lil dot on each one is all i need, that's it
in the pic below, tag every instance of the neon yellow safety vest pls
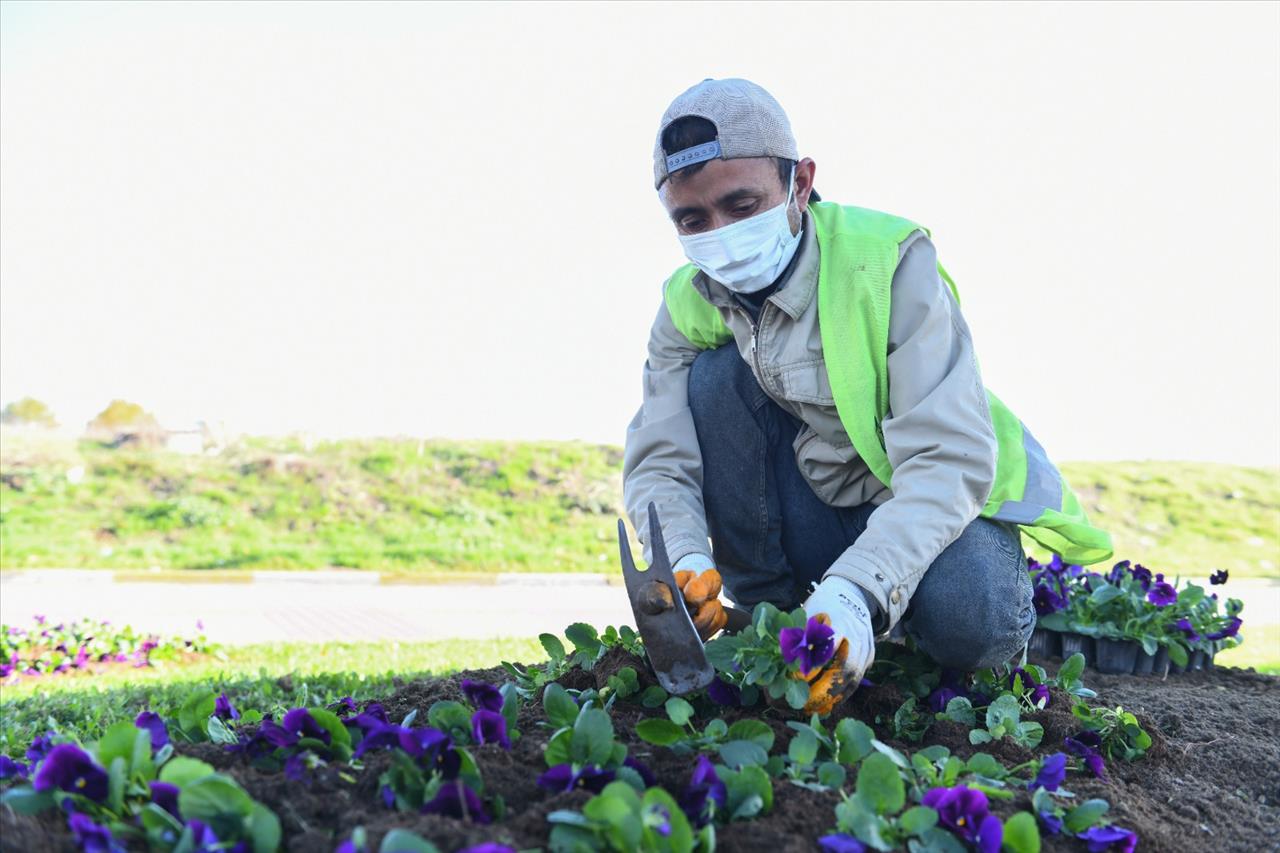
(858, 254)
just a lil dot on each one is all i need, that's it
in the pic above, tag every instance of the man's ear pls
(805, 171)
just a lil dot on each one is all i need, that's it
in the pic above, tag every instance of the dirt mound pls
(1211, 781)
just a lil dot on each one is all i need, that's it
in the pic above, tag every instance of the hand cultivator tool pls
(675, 651)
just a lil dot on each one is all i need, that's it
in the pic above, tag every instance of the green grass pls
(1261, 649)
(421, 507)
(269, 677)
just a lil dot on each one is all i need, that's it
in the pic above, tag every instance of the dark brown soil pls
(1211, 781)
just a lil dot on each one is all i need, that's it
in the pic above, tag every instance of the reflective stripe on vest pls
(859, 250)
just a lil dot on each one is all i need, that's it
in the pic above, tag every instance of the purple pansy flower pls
(1100, 838)
(388, 796)
(1162, 594)
(1142, 575)
(295, 768)
(965, 812)
(490, 727)
(813, 645)
(1232, 628)
(1218, 578)
(488, 847)
(1086, 744)
(704, 794)
(202, 834)
(1047, 601)
(224, 710)
(1052, 823)
(482, 695)
(841, 843)
(1052, 772)
(457, 800)
(563, 778)
(939, 698)
(724, 693)
(40, 747)
(93, 838)
(300, 723)
(1188, 630)
(646, 775)
(165, 796)
(151, 722)
(658, 818)
(10, 769)
(71, 769)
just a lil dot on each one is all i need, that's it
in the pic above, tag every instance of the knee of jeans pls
(982, 617)
(715, 380)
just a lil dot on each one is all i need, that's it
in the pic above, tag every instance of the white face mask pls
(749, 255)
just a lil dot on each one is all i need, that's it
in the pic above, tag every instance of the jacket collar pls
(796, 290)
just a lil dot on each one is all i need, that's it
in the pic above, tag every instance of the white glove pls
(845, 605)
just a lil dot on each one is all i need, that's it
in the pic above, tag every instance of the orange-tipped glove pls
(701, 594)
(839, 604)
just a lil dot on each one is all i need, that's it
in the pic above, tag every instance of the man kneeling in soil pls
(812, 405)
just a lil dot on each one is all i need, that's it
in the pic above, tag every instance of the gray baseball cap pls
(749, 123)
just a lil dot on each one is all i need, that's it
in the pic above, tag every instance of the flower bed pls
(87, 645)
(1130, 621)
(587, 752)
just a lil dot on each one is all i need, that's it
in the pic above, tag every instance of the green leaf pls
(1004, 711)
(1021, 835)
(679, 710)
(117, 742)
(218, 801)
(559, 706)
(716, 730)
(755, 731)
(156, 819)
(742, 754)
(140, 764)
(1178, 654)
(554, 648)
(917, 820)
(803, 748)
(892, 754)
(404, 841)
(1104, 594)
(721, 652)
(583, 637)
(450, 717)
(338, 734)
(879, 785)
(985, 765)
(182, 770)
(27, 800)
(854, 738)
(659, 731)
(510, 704)
(264, 829)
(557, 751)
(117, 776)
(195, 713)
(831, 774)
(742, 785)
(1087, 814)
(1029, 734)
(219, 732)
(1071, 669)
(653, 696)
(592, 741)
(960, 710)
(797, 693)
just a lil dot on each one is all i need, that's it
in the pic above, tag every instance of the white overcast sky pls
(439, 220)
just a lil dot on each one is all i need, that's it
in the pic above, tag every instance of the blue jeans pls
(772, 537)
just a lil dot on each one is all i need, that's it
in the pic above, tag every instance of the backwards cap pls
(749, 123)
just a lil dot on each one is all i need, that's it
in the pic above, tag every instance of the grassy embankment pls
(457, 507)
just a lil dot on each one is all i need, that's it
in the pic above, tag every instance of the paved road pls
(307, 607)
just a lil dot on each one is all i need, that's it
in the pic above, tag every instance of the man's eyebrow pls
(724, 201)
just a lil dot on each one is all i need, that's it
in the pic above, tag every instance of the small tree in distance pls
(28, 412)
(123, 416)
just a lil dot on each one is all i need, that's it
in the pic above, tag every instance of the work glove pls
(701, 593)
(841, 605)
